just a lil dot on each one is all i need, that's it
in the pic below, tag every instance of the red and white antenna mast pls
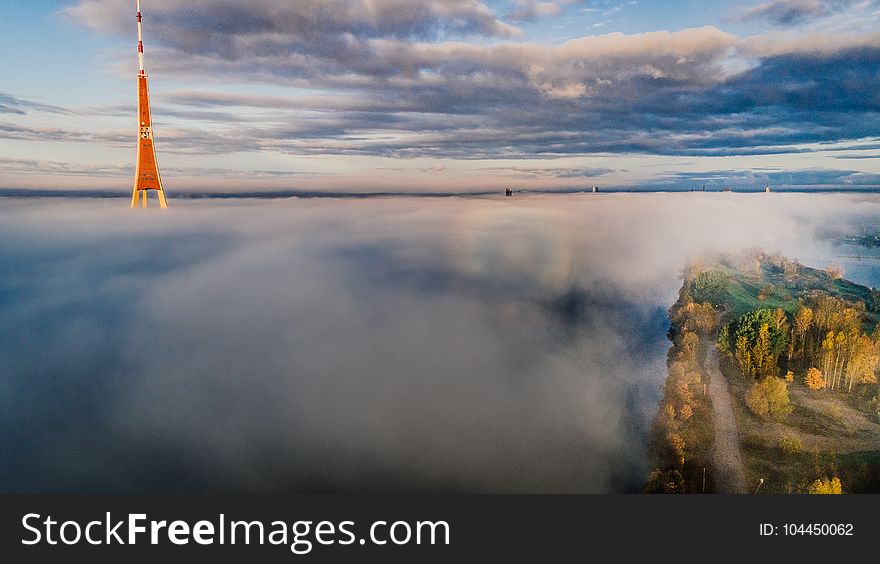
(146, 174)
(140, 40)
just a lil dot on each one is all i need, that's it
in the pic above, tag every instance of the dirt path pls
(730, 474)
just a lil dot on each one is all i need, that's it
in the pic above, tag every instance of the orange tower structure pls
(146, 175)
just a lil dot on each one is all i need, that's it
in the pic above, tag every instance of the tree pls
(861, 367)
(826, 486)
(680, 391)
(723, 341)
(703, 317)
(710, 286)
(689, 345)
(763, 360)
(814, 379)
(757, 401)
(760, 337)
(744, 357)
(669, 415)
(769, 398)
(669, 482)
(776, 391)
(827, 356)
(803, 319)
(835, 329)
(833, 342)
(842, 342)
(686, 412)
(780, 320)
(676, 444)
(835, 271)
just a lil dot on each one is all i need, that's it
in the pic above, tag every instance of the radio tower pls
(146, 175)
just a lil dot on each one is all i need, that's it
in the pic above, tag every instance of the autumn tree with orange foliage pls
(683, 427)
(814, 379)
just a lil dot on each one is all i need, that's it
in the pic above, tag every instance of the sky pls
(444, 95)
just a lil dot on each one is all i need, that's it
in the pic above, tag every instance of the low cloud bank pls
(479, 345)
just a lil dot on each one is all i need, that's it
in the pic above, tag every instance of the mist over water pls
(392, 344)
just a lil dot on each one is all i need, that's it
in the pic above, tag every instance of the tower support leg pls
(139, 198)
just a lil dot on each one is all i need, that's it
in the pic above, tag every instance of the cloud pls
(661, 93)
(532, 10)
(14, 105)
(229, 25)
(778, 106)
(479, 345)
(455, 391)
(441, 80)
(67, 169)
(10, 130)
(794, 12)
(341, 44)
(814, 178)
(34, 166)
(550, 172)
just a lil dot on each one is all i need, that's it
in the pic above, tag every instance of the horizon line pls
(12, 193)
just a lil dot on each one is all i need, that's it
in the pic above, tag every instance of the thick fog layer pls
(479, 345)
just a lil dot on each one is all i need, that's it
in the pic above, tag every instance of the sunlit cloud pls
(458, 82)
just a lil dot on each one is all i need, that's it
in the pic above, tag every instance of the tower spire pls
(146, 176)
(140, 40)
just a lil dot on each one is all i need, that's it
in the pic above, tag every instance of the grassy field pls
(768, 287)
